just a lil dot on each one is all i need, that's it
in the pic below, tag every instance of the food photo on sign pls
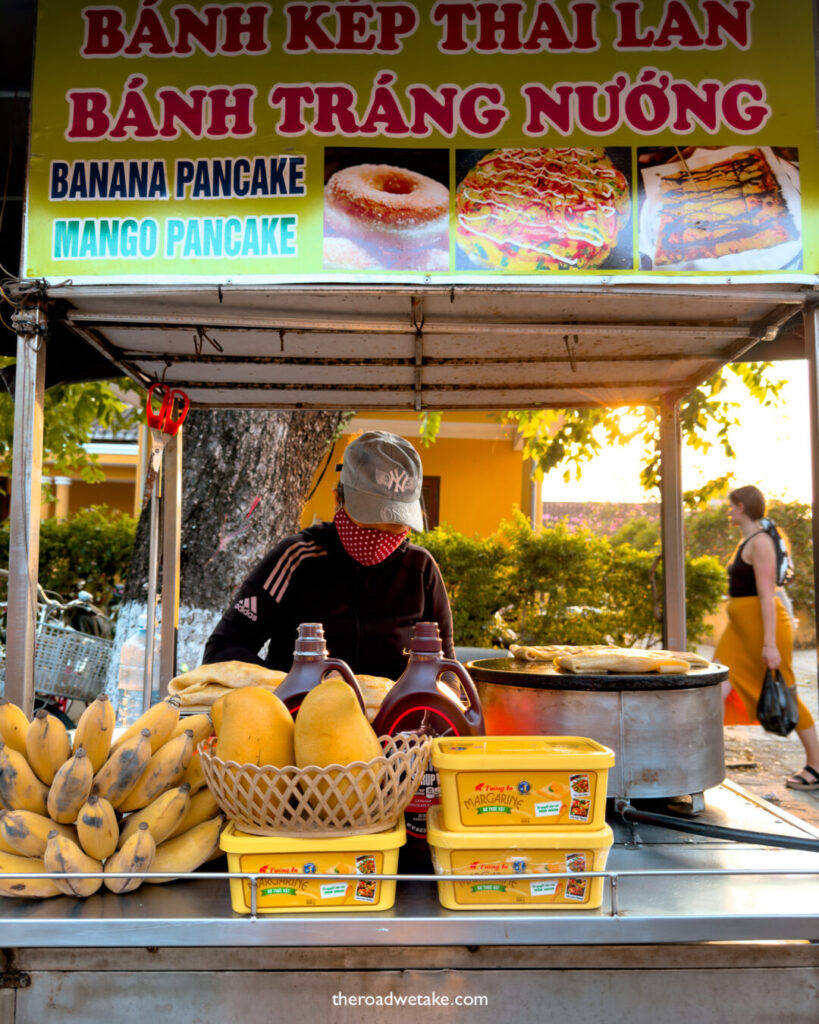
(720, 208)
(386, 209)
(529, 210)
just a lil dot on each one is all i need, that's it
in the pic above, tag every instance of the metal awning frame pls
(144, 310)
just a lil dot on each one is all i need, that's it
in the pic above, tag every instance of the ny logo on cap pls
(395, 480)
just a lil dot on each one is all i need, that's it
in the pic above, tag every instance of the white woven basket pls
(353, 799)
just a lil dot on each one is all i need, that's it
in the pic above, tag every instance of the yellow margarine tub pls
(528, 783)
(352, 858)
(518, 854)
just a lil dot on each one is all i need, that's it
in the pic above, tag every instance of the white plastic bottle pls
(130, 685)
(131, 677)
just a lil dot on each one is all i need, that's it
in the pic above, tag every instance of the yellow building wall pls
(481, 479)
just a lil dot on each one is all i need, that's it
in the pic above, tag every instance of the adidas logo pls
(248, 608)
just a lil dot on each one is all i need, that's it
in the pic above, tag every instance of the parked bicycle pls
(72, 651)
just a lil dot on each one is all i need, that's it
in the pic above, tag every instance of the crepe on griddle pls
(203, 685)
(622, 661)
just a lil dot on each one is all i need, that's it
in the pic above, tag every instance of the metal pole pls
(674, 626)
(810, 319)
(153, 573)
(171, 542)
(24, 525)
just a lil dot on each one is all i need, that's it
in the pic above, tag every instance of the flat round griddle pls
(542, 675)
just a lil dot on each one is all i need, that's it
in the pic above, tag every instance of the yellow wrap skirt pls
(740, 648)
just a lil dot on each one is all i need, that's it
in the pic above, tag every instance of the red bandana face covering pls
(366, 545)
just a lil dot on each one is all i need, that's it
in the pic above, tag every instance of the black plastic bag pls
(777, 711)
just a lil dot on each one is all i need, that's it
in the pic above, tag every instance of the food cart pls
(312, 310)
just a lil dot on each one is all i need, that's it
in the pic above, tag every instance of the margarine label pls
(278, 887)
(525, 798)
(520, 863)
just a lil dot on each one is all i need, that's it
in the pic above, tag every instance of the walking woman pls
(759, 633)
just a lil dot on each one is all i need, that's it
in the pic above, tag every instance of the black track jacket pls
(368, 611)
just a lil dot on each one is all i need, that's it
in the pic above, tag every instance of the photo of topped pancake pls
(710, 208)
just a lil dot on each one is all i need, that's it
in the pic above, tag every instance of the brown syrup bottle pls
(421, 702)
(311, 663)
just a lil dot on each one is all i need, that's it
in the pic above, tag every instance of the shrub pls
(562, 586)
(93, 545)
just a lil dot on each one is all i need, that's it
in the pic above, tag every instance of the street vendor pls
(358, 575)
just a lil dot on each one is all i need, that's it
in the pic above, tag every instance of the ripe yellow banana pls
(4, 846)
(71, 788)
(137, 854)
(203, 806)
(161, 720)
(20, 789)
(47, 745)
(95, 731)
(186, 852)
(97, 828)
(26, 832)
(65, 856)
(164, 770)
(13, 725)
(162, 815)
(119, 774)
(27, 888)
(194, 775)
(200, 724)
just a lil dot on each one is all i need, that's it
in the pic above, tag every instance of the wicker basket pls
(68, 663)
(320, 802)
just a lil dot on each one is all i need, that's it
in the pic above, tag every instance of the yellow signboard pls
(449, 140)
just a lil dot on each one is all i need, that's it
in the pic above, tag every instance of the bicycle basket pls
(68, 663)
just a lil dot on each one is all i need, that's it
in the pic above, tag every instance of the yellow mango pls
(255, 727)
(332, 729)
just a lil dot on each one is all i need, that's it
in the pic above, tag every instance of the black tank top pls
(741, 578)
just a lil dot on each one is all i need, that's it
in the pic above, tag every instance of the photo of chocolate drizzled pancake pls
(731, 206)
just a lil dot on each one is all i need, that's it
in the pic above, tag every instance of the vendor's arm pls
(248, 621)
(763, 559)
(436, 608)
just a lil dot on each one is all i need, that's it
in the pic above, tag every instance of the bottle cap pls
(426, 639)
(310, 641)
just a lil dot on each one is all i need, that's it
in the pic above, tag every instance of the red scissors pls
(164, 424)
(170, 417)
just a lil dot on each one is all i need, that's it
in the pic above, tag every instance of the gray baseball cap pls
(381, 479)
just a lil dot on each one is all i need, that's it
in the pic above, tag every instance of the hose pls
(737, 835)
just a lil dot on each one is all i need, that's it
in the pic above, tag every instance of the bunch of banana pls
(101, 807)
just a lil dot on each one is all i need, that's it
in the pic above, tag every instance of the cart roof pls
(429, 346)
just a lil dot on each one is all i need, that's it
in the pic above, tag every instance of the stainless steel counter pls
(662, 887)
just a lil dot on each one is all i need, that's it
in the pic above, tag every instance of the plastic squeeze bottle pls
(311, 663)
(422, 702)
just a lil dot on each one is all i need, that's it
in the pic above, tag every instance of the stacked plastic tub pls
(519, 806)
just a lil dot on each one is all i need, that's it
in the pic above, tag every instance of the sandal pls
(798, 781)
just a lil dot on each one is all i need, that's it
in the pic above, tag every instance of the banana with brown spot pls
(13, 726)
(25, 888)
(95, 731)
(71, 788)
(64, 856)
(27, 833)
(20, 789)
(164, 770)
(137, 854)
(118, 776)
(186, 852)
(203, 806)
(47, 745)
(160, 720)
(162, 815)
(97, 827)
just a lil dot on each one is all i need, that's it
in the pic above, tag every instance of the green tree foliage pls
(70, 413)
(562, 586)
(94, 545)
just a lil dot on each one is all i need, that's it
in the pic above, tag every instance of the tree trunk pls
(246, 474)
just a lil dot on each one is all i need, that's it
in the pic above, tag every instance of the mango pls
(254, 727)
(331, 729)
